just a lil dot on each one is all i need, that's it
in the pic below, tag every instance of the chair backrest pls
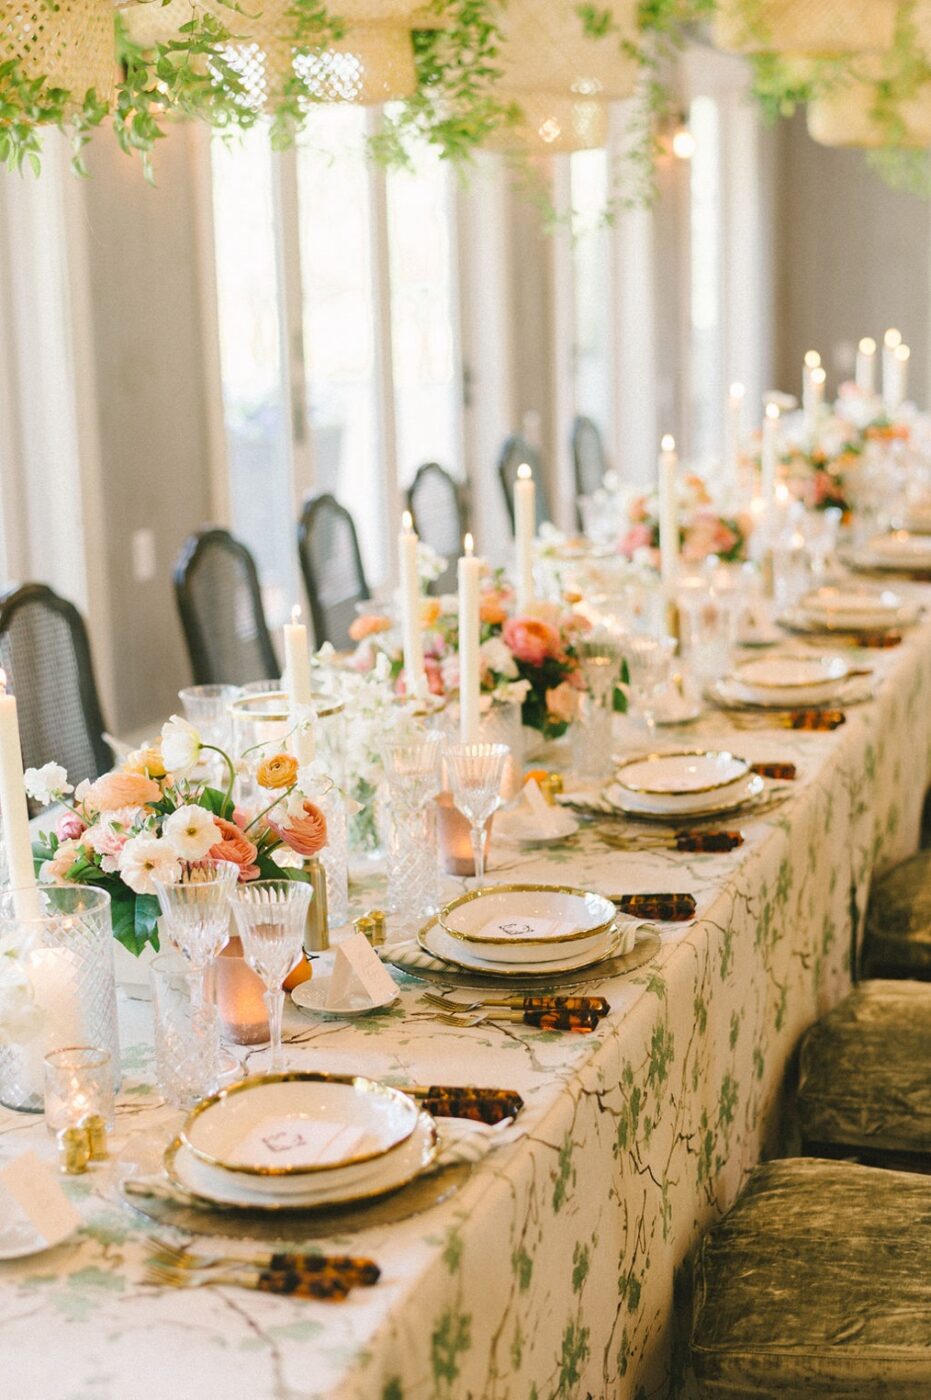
(220, 605)
(45, 652)
(440, 511)
(332, 567)
(588, 454)
(516, 450)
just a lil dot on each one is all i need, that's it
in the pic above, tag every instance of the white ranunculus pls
(497, 657)
(145, 859)
(191, 831)
(19, 1015)
(47, 784)
(181, 745)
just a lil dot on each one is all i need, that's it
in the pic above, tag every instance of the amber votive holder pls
(239, 994)
(454, 837)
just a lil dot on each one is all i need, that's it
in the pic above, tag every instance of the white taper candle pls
(470, 574)
(525, 529)
(411, 634)
(297, 676)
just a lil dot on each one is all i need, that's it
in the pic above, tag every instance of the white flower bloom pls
(145, 858)
(47, 784)
(181, 745)
(191, 831)
(19, 1015)
(496, 656)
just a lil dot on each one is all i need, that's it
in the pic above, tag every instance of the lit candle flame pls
(407, 522)
(2, 681)
(737, 390)
(772, 412)
(867, 345)
(668, 443)
(296, 614)
(812, 359)
(892, 338)
(524, 472)
(902, 353)
(818, 376)
(782, 492)
(468, 545)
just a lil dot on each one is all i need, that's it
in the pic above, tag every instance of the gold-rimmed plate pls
(298, 1125)
(527, 923)
(212, 1186)
(681, 773)
(747, 791)
(434, 939)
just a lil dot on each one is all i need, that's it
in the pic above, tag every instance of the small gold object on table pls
(317, 930)
(74, 1151)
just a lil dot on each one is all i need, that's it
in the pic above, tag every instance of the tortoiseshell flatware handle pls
(815, 720)
(580, 1021)
(665, 908)
(785, 772)
(489, 1106)
(539, 1003)
(362, 1272)
(705, 842)
(328, 1284)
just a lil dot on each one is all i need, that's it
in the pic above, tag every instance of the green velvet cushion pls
(898, 922)
(818, 1283)
(865, 1074)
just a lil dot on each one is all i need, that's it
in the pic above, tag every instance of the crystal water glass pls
(187, 1062)
(270, 916)
(600, 662)
(208, 709)
(411, 761)
(475, 773)
(648, 660)
(78, 1086)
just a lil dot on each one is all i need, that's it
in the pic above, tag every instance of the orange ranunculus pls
(532, 640)
(306, 835)
(116, 790)
(147, 761)
(430, 609)
(492, 610)
(236, 847)
(279, 771)
(368, 626)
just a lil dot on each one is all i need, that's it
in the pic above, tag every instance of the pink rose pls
(107, 841)
(433, 670)
(69, 826)
(637, 537)
(531, 640)
(449, 673)
(562, 703)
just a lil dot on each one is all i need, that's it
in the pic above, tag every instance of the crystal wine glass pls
(475, 773)
(411, 758)
(195, 909)
(270, 916)
(648, 660)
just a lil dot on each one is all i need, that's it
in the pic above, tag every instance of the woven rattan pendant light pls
(69, 44)
(553, 125)
(805, 26)
(545, 49)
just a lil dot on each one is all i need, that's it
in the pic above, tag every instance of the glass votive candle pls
(454, 837)
(78, 1086)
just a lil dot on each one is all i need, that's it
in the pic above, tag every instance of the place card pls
(35, 1213)
(296, 1140)
(358, 970)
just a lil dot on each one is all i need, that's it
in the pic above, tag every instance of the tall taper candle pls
(891, 342)
(668, 514)
(733, 440)
(411, 634)
(901, 356)
(14, 811)
(470, 573)
(525, 528)
(297, 675)
(866, 365)
(769, 453)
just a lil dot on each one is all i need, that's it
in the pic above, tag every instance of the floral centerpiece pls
(140, 822)
(528, 657)
(703, 531)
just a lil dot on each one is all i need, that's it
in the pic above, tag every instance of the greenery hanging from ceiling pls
(462, 93)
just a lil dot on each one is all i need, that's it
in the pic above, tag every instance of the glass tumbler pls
(187, 1062)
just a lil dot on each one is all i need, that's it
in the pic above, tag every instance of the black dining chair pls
(220, 605)
(331, 563)
(439, 508)
(515, 451)
(588, 457)
(45, 652)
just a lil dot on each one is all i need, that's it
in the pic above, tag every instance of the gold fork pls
(325, 1285)
(356, 1270)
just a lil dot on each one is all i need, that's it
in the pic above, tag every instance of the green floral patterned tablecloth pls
(559, 1270)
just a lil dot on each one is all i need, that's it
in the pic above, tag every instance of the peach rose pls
(306, 835)
(531, 640)
(236, 847)
(116, 790)
(368, 625)
(562, 702)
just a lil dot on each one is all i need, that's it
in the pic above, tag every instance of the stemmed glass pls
(270, 916)
(600, 662)
(475, 773)
(648, 660)
(195, 909)
(411, 758)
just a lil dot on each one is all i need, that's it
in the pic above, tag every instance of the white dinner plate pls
(312, 996)
(527, 923)
(521, 827)
(854, 607)
(435, 940)
(19, 1239)
(682, 773)
(299, 1124)
(713, 804)
(213, 1186)
(901, 547)
(788, 680)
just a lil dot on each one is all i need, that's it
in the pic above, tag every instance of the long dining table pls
(560, 1268)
